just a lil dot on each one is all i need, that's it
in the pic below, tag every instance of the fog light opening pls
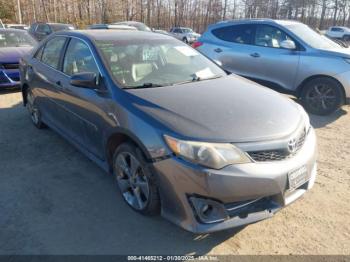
(208, 211)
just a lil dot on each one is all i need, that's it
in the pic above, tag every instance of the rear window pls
(337, 29)
(242, 34)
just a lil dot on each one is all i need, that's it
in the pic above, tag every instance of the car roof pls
(256, 21)
(12, 30)
(105, 34)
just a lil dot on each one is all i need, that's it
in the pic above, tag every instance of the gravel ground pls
(53, 200)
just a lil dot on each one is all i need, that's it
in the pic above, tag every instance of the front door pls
(83, 105)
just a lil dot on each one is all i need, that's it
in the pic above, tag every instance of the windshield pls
(187, 30)
(150, 63)
(311, 37)
(15, 39)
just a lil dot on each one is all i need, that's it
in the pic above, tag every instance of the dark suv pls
(41, 30)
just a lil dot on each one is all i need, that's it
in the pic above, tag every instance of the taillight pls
(197, 44)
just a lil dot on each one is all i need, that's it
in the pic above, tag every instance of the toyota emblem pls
(292, 145)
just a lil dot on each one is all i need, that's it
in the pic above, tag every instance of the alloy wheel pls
(32, 109)
(132, 181)
(321, 97)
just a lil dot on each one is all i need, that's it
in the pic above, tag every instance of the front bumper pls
(249, 192)
(344, 79)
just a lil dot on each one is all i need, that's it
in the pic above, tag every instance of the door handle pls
(218, 50)
(255, 55)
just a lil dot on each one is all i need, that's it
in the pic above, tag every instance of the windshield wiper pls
(197, 79)
(144, 85)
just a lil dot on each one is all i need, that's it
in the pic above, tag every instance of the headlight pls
(212, 155)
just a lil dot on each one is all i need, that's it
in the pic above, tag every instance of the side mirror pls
(85, 80)
(288, 44)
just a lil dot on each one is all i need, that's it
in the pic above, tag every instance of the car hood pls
(228, 109)
(13, 54)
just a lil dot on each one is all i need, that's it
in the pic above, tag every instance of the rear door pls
(233, 48)
(83, 106)
(44, 75)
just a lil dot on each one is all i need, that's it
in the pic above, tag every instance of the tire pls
(322, 96)
(346, 38)
(135, 180)
(33, 110)
(185, 40)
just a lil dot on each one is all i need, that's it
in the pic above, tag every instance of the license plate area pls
(298, 177)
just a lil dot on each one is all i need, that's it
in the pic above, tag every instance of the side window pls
(177, 30)
(43, 28)
(337, 29)
(241, 34)
(78, 59)
(52, 51)
(269, 36)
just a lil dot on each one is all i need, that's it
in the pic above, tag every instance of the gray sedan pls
(207, 150)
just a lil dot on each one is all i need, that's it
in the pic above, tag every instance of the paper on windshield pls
(187, 51)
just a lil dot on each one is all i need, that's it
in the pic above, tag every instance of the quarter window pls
(52, 52)
(269, 36)
(241, 34)
(79, 59)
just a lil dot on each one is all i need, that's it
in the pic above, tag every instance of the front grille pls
(11, 66)
(279, 154)
(243, 208)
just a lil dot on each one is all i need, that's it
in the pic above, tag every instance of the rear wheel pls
(322, 96)
(33, 110)
(135, 180)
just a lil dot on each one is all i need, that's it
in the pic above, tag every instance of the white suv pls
(184, 34)
(339, 32)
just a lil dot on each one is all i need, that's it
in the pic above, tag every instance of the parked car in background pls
(184, 34)
(112, 27)
(207, 150)
(41, 30)
(138, 25)
(160, 31)
(286, 55)
(17, 26)
(339, 32)
(13, 45)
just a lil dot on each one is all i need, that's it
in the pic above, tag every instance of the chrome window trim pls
(68, 37)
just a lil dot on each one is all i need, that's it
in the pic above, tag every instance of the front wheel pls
(33, 110)
(185, 40)
(322, 96)
(135, 180)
